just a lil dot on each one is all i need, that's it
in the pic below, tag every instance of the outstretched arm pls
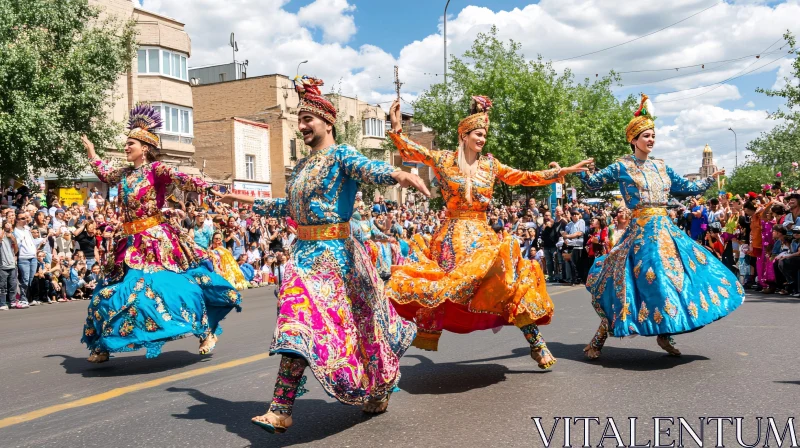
(513, 176)
(596, 181)
(166, 174)
(681, 185)
(274, 208)
(362, 169)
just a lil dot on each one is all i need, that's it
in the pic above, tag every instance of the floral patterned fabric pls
(226, 266)
(332, 310)
(465, 278)
(386, 254)
(656, 280)
(155, 287)
(141, 196)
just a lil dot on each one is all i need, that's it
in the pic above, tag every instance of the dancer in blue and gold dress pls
(656, 281)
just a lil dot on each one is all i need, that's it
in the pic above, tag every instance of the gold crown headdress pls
(478, 120)
(642, 120)
(143, 122)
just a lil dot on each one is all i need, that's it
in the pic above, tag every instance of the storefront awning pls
(82, 177)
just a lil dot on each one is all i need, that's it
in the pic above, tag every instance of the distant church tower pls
(708, 168)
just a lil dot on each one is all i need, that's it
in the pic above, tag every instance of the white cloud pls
(275, 40)
(671, 104)
(331, 17)
(681, 144)
(784, 71)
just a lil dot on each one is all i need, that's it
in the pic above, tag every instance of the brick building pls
(268, 100)
(271, 100)
(159, 75)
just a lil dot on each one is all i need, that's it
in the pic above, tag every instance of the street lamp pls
(445, 41)
(736, 146)
(298, 67)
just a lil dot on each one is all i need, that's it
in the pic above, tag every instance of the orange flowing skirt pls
(467, 279)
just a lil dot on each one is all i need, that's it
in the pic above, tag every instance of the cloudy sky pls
(702, 72)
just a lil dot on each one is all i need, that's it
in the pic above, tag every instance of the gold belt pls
(140, 225)
(324, 232)
(466, 214)
(649, 211)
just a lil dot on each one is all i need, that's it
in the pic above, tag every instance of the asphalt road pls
(480, 389)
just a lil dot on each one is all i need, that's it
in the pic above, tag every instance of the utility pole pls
(445, 41)
(397, 83)
(736, 146)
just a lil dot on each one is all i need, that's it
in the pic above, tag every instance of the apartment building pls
(158, 75)
(269, 100)
(226, 117)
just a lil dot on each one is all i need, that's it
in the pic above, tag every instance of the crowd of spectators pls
(52, 252)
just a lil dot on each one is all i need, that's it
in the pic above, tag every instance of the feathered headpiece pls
(642, 119)
(311, 99)
(143, 122)
(479, 118)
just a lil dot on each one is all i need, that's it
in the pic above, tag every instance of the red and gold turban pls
(478, 120)
(642, 120)
(311, 99)
(144, 120)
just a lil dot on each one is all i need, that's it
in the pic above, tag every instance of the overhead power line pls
(720, 83)
(640, 37)
(683, 75)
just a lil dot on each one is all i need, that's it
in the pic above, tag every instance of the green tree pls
(778, 148)
(538, 116)
(58, 67)
(791, 89)
(749, 177)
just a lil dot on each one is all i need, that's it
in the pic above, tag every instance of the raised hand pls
(718, 173)
(89, 147)
(407, 180)
(394, 116)
(580, 167)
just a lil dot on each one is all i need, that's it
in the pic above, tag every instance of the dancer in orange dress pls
(466, 279)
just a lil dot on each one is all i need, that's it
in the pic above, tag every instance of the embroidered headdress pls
(479, 118)
(143, 122)
(642, 119)
(311, 99)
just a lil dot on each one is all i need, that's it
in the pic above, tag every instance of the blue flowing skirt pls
(656, 280)
(147, 309)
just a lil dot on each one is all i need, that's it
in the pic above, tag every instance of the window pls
(157, 61)
(372, 127)
(148, 61)
(177, 120)
(250, 166)
(142, 56)
(165, 61)
(293, 148)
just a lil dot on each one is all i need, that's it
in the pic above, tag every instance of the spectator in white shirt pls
(58, 220)
(254, 255)
(54, 208)
(26, 261)
(573, 236)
